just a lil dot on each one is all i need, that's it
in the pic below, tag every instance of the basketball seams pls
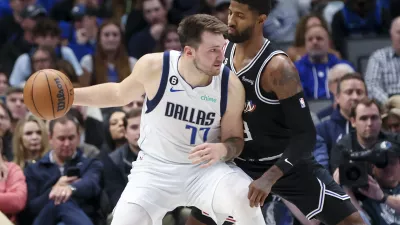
(66, 91)
(51, 96)
(33, 99)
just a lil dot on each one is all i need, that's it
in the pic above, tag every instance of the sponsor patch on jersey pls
(302, 103)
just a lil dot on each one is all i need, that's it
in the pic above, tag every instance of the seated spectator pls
(298, 49)
(3, 84)
(5, 131)
(334, 75)
(45, 33)
(66, 68)
(15, 103)
(10, 24)
(43, 57)
(110, 61)
(137, 103)
(391, 117)
(30, 141)
(55, 194)
(359, 18)
(13, 191)
(85, 28)
(118, 164)
(222, 10)
(114, 132)
(169, 40)
(383, 68)
(314, 66)
(350, 90)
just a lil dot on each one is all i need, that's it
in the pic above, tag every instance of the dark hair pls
(301, 27)
(192, 27)
(259, 6)
(46, 27)
(367, 102)
(160, 47)
(317, 25)
(49, 50)
(350, 76)
(132, 114)
(162, 2)
(63, 120)
(12, 90)
(8, 112)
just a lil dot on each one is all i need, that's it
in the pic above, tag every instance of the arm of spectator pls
(69, 56)
(14, 199)
(373, 79)
(321, 152)
(36, 200)
(19, 73)
(89, 184)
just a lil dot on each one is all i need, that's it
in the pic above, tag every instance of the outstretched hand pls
(208, 153)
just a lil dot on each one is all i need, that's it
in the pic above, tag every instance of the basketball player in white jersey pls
(191, 124)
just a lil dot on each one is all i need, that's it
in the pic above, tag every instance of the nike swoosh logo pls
(286, 160)
(174, 90)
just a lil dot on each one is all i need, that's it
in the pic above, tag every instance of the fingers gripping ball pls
(48, 94)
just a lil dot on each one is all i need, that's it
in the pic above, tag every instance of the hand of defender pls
(207, 152)
(259, 191)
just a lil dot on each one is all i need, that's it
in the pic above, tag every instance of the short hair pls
(63, 120)
(299, 40)
(350, 76)
(317, 26)
(342, 68)
(12, 90)
(367, 102)
(46, 27)
(259, 6)
(192, 27)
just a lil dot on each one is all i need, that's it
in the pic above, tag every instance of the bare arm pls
(232, 123)
(120, 94)
(282, 78)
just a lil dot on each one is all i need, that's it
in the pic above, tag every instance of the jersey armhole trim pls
(224, 89)
(151, 104)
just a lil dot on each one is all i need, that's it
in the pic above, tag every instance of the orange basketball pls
(48, 94)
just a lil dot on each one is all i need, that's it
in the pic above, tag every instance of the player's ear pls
(188, 50)
(262, 18)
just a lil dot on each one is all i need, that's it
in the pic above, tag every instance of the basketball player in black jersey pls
(279, 132)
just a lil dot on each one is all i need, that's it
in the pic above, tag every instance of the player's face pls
(241, 22)
(31, 136)
(368, 122)
(64, 139)
(133, 131)
(351, 91)
(209, 55)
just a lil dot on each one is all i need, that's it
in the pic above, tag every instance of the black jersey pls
(266, 134)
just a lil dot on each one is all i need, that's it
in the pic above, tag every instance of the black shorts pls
(312, 189)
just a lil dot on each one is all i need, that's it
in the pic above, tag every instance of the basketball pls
(48, 94)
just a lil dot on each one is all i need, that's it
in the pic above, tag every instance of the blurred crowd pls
(72, 170)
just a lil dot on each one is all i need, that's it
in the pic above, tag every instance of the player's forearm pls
(234, 147)
(101, 96)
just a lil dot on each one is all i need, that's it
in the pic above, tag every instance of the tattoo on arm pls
(234, 147)
(285, 80)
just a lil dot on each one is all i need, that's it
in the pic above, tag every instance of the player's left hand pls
(259, 191)
(207, 152)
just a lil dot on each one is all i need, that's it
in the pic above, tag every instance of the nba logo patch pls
(302, 103)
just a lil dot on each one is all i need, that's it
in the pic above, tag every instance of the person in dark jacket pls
(64, 185)
(351, 89)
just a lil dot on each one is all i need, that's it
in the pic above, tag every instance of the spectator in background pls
(61, 10)
(314, 66)
(13, 190)
(334, 75)
(143, 42)
(137, 103)
(30, 141)
(5, 132)
(359, 18)
(383, 67)
(222, 10)
(10, 24)
(53, 196)
(118, 164)
(43, 57)
(114, 132)
(21, 42)
(169, 40)
(46, 33)
(85, 27)
(110, 61)
(3, 84)
(15, 103)
(298, 49)
(350, 90)
(391, 117)
(66, 68)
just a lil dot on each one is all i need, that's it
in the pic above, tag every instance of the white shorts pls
(160, 187)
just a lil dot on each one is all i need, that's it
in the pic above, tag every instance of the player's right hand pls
(208, 153)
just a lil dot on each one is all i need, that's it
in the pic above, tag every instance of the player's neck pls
(251, 47)
(191, 74)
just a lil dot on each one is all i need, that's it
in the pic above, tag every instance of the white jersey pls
(180, 117)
